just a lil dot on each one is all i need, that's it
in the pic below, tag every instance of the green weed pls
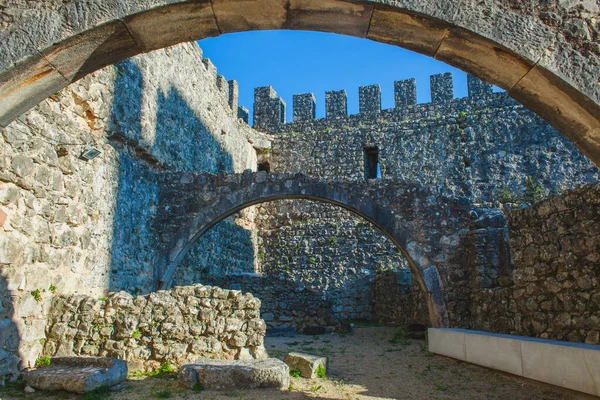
(320, 372)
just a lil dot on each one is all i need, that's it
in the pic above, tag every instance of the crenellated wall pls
(486, 147)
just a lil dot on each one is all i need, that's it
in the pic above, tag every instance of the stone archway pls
(539, 63)
(403, 212)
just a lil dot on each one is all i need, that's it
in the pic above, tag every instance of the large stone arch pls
(523, 49)
(416, 219)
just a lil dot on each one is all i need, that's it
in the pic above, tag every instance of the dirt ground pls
(369, 363)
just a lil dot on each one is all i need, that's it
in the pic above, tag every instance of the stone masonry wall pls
(284, 303)
(327, 250)
(483, 147)
(554, 291)
(68, 226)
(176, 326)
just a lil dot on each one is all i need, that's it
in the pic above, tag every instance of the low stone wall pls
(554, 290)
(178, 325)
(284, 303)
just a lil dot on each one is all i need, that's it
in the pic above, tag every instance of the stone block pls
(447, 342)
(235, 374)
(492, 351)
(77, 374)
(307, 364)
(570, 365)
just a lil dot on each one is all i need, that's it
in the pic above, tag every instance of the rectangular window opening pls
(372, 167)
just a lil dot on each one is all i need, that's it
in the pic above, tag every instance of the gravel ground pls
(370, 363)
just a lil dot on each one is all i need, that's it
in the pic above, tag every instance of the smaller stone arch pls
(195, 203)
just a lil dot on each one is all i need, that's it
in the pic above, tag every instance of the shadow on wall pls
(181, 141)
(9, 332)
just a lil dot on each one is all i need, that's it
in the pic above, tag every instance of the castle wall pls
(483, 147)
(68, 226)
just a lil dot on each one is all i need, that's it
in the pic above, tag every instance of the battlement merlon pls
(477, 87)
(269, 110)
(405, 93)
(223, 87)
(369, 99)
(442, 90)
(210, 67)
(243, 114)
(305, 107)
(234, 95)
(336, 103)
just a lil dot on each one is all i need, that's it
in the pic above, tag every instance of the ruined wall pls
(554, 290)
(70, 226)
(176, 326)
(483, 147)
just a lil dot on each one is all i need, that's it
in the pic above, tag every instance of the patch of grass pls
(37, 295)
(441, 387)
(533, 190)
(505, 196)
(315, 388)
(320, 372)
(52, 288)
(100, 393)
(135, 334)
(165, 371)
(333, 240)
(401, 338)
(42, 362)
(103, 299)
(163, 394)
(291, 387)
(14, 388)
(294, 373)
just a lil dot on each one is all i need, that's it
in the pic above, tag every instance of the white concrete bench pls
(571, 365)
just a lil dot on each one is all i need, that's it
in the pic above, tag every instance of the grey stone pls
(223, 374)
(307, 364)
(77, 374)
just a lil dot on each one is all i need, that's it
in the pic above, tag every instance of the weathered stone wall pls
(484, 147)
(178, 325)
(473, 147)
(284, 303)
(554, 290)
(325, 249)
(397, 299)
(70, 226)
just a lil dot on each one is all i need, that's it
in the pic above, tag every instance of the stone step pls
(77, 374)
(235, 374)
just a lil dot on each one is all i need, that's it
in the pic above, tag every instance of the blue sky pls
(301, 62)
